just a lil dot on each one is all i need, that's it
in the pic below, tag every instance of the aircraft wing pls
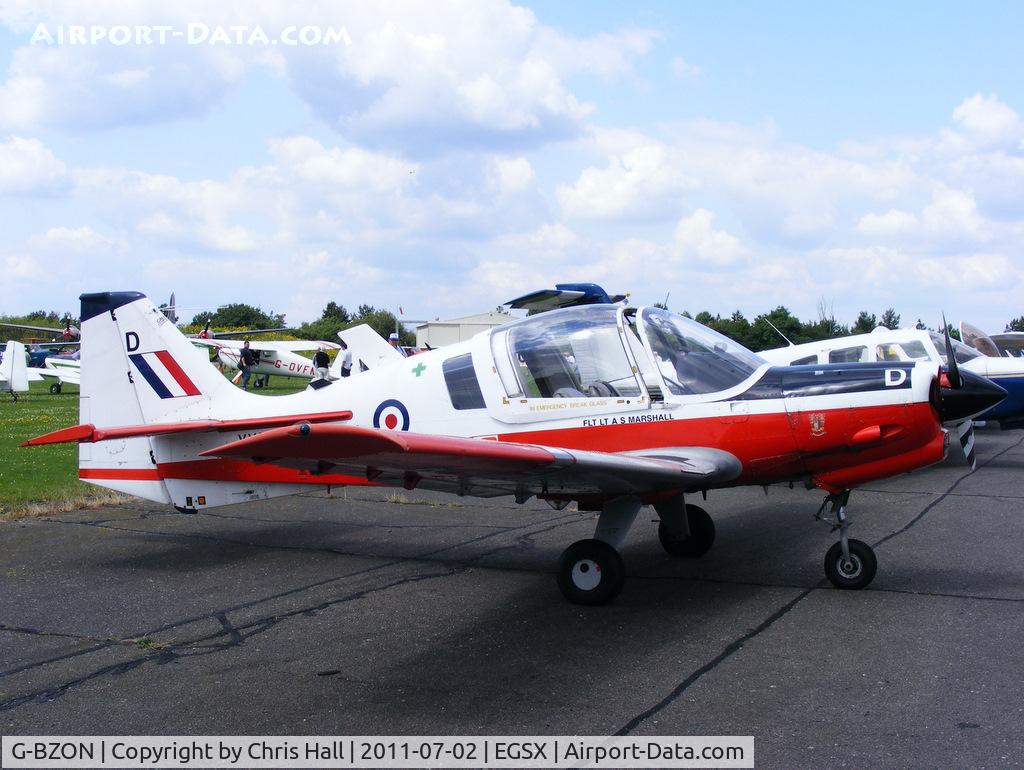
(65, 375)
(480, 467)
(293, 346)
(227, 335)
(47, 329)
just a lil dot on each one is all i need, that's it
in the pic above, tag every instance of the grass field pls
(49, 474)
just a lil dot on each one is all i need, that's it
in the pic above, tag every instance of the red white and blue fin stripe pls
(164, 374)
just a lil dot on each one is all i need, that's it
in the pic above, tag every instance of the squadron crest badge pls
(817, 424)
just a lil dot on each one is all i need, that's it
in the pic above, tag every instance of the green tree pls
(240, 316)
(1016, 325)
(762, 336)
(865, 323)
(890, 319)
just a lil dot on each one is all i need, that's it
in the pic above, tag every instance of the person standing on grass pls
(246, 361)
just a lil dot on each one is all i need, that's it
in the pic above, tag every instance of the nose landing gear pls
(849, 564)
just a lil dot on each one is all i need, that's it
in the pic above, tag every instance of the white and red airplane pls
(608, 406)
(275, 357)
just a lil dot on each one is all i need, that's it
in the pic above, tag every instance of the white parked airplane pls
(277, 357)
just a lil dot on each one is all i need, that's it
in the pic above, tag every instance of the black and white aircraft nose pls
(975, 396)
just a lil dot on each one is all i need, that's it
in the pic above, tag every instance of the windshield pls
(572, 353)
(692, 358)
(961, 352)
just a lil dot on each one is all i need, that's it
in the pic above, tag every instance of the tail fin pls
(136, 368)
(13, 371)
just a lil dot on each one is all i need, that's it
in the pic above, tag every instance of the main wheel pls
(697, 543)
(854, 573)
(590, 572)
(55, 388)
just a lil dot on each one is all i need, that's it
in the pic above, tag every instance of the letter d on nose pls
(895, 377)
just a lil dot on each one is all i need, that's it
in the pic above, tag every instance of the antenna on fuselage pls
(776, 328)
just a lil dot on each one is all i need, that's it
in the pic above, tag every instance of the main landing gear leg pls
(849, 564)
(685, 530)
(592, 571)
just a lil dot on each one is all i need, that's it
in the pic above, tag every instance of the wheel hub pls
(850, 567)
(586, 574)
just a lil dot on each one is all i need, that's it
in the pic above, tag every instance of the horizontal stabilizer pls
(87, 434)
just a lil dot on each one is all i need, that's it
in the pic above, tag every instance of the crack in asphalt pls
(263, 624)
(737, 644)
(194, 648)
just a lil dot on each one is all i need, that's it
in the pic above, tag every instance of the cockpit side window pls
(463, 388)
(847, 355)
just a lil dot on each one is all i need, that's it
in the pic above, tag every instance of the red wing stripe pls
(177, 373)
(120, 474)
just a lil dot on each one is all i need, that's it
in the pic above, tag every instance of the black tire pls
(699, 541)
(590, 572)
(858, 572)
(55, 388)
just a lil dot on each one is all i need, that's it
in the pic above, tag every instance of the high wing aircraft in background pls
(69, 333)
(920, 345)
(277, 357)
(604, 405)
(59, 370)
(13, 369)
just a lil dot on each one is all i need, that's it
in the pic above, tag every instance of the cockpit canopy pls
(584, 352)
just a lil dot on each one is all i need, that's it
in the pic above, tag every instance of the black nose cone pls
(975, 396)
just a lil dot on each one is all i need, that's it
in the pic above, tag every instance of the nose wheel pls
(590, 572)
(853, 571)
(849, 564)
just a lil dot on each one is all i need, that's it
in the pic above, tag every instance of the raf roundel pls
(391, 415)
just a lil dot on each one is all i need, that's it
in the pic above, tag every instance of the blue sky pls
(454, 155)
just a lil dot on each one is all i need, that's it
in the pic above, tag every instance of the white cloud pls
(892, 222)
(682, 70)
(630, 184)
(77, 240)
(21, 266)
(989, 122)
(29, 167)
(511, 175)
(696, 238)
(953, 213)
(353, 169)
(426, 77)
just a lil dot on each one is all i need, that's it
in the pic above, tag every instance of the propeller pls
(952, 368)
